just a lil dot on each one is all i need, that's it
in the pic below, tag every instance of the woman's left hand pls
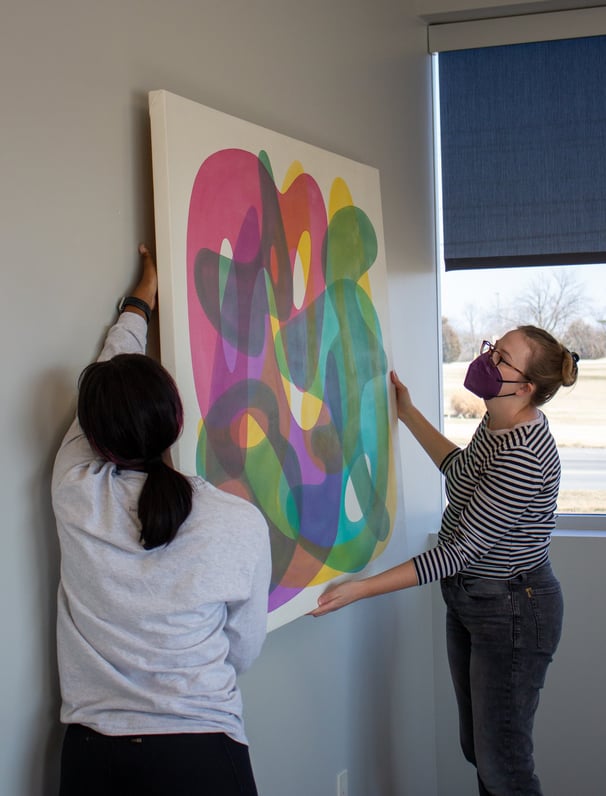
(147, 287)
(338, 596)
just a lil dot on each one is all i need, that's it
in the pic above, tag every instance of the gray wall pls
(351, 691)
(569, 728)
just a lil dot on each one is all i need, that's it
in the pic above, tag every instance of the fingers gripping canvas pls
(272, 310)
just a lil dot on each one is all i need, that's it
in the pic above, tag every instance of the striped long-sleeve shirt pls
(502, 491)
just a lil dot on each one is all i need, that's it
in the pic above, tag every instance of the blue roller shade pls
(523, 147)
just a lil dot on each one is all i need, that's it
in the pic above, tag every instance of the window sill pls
(582, 524)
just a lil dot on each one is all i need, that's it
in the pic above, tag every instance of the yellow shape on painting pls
(340, 197)
(325, 574)
(294, 170)
(364, 283)
(310, 410)
(274, 323)
(304, 253)
(254, 433)
(301, 266)
(304, 406)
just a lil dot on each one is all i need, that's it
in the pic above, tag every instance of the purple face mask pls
(484, 378)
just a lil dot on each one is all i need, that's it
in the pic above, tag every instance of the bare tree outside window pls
(552, 301)
(451, 347)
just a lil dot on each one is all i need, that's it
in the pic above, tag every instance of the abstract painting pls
(273, 308)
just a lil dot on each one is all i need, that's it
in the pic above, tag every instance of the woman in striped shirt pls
(504, 604)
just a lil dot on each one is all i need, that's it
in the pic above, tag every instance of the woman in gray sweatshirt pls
(163, 594)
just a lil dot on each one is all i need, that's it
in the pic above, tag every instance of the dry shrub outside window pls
(465, 404)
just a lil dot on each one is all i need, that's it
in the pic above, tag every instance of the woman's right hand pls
(403, 399)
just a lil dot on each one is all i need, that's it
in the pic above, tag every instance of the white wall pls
(352, 76)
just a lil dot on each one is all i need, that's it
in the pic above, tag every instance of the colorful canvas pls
(273, 309)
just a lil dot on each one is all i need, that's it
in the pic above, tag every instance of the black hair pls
(551, 364)
(131, 413)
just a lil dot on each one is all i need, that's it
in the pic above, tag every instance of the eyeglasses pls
(497, 357)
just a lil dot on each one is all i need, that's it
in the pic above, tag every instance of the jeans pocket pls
(547, 609)
(483, 588)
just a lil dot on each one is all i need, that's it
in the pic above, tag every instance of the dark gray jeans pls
(501, 637)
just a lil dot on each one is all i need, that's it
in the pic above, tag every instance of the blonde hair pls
(551, 364)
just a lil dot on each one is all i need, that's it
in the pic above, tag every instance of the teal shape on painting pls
(264, 159)
(351, 245)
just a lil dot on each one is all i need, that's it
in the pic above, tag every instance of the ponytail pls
(164, 504)
(131, 413)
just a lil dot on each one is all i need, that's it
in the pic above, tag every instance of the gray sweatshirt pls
(151, 641)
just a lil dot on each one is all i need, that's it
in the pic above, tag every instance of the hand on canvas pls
(147, 287)
(403, 399)
(338, 597)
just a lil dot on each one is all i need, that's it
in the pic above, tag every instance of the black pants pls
(192, 764)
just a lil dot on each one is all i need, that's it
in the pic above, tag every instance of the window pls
(514, 278)
(482, 304)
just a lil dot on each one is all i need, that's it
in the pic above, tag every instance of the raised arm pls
(435, 444)
(123, 339)
(147, 286)
(127, 336)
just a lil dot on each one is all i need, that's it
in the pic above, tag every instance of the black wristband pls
(133, 301)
